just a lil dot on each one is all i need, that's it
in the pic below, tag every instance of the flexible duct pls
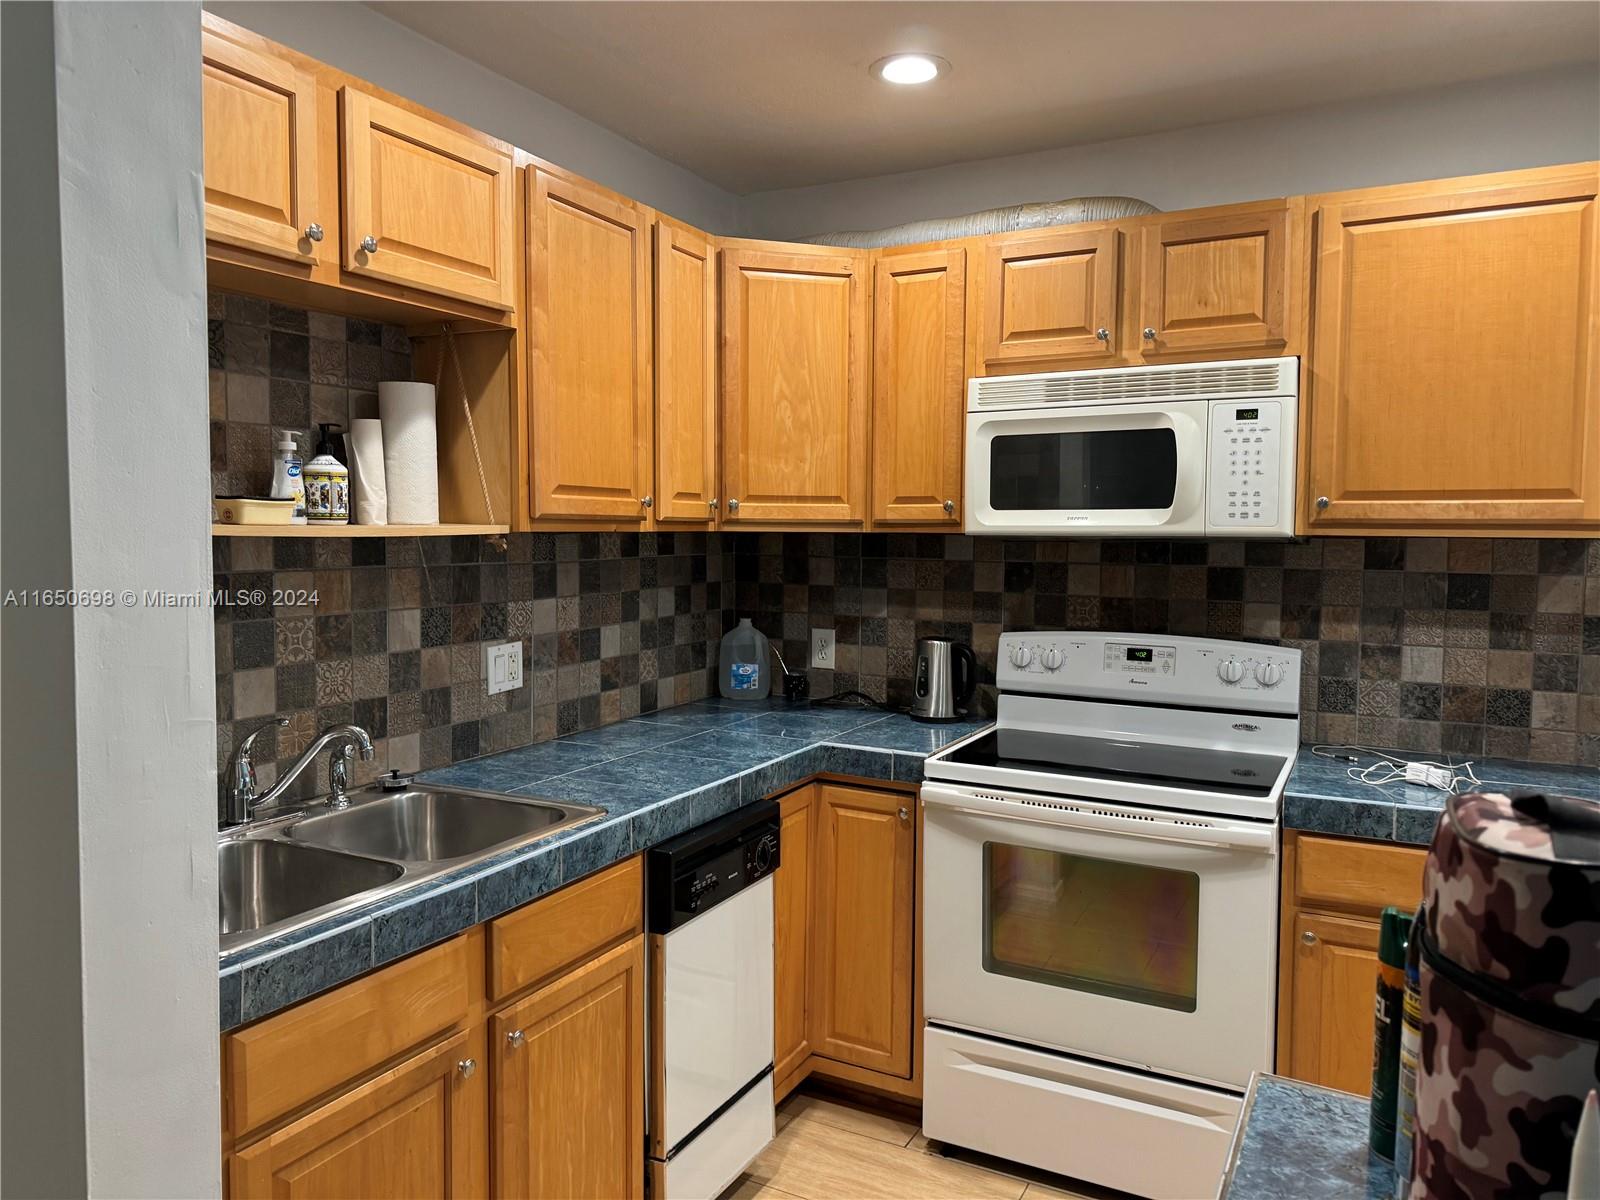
(1007, 219)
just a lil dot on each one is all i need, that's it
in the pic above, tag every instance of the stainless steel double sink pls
(282, 873)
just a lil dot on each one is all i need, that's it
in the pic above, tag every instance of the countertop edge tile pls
(1319, 798)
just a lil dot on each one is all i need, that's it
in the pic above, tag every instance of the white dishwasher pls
(710, 920)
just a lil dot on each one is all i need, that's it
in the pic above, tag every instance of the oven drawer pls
(1076, 1117)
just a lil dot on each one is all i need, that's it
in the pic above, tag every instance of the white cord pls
(1392, 769)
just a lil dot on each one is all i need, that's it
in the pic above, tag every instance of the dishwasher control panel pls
(694, 872)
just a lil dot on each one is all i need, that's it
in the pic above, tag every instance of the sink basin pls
(265, 882)
(434, 824)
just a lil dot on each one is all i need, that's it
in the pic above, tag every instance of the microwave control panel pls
(1250, 477)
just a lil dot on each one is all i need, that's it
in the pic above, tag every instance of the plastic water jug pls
(744, 672)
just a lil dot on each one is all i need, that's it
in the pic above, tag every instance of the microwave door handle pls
(1215, 838)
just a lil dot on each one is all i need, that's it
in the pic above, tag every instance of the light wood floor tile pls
(816, 1161)
(826, 1110)
(748, 1188)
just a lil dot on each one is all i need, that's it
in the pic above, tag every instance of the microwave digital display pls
(1247, 414)
(1141, 654)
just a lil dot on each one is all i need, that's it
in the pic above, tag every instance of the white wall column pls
(110, 981)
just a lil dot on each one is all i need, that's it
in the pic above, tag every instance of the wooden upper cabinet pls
(865, 884)
(569, 1085)
(261, 153)
(918, 387)
(1216, 283)
(1453, 373)
(589, 336)
(425, 206)
(1050, 299)
(686, 374)
(416, 1130)
(794, 384)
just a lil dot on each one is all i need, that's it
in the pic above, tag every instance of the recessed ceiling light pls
(909, 68)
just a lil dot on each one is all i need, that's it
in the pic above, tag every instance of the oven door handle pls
(1157, 829)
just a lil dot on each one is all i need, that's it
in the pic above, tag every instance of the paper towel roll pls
(366, 472)
(410, 452)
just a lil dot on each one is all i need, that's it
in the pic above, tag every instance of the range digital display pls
(1141, 654)
(1247, 414)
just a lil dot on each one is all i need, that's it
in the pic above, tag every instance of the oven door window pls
(1095, 469)
(1091, 924)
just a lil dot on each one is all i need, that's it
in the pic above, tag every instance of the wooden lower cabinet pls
(845, 913)
(569, 1084)
(1333, 892)
(791, 912)
(408, 1083)
(418, 1129)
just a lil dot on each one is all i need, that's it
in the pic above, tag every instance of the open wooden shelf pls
(359, 531)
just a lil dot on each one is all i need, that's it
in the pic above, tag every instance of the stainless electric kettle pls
(936, 694)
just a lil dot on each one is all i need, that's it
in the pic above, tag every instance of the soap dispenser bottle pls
(327, 483)
(287, 483)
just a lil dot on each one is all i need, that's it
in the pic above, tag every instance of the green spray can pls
(1394, 933)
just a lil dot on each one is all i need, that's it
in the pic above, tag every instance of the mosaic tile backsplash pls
(611, 625)
(273, 367)
(1463, 646)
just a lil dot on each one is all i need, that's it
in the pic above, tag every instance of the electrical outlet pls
(822, 649)
(502, 667)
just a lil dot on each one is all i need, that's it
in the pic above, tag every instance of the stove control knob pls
(1021, 656)
(1052, 659)
(1230, 670)
(1269, 674)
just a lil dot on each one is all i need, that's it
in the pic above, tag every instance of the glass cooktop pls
(1076, 755)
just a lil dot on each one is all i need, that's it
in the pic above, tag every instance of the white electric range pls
(1101, 906)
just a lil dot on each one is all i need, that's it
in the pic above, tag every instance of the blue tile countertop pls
(667, 772)
(1297, 1139)
(1322, 798)
(656, 776)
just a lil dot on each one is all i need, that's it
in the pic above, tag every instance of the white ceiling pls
(761, 95)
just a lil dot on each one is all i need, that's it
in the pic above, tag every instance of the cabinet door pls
(589, 388)
(569, 1084)
(792, 916)
(424, 205)
(1215, 283)
(260, 152)
(686, 374)
(1454, 382)
(918, 382)
(862, 970)
(1051, 299)
(794, 330)
(416, 1130)
(1331, 1001)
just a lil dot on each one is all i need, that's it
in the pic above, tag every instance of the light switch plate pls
(822, 649)
(502, 667)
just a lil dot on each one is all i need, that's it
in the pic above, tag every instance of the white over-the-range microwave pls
(1197, 450)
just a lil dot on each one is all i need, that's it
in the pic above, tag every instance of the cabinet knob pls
(949, 506)
(905, 813)
(1103, 334)
(1149, 334)
(733, 506)
(1322, 502)
(712, 504)
(369, 244)
(314, 232)
(467, 1066)
(1309, 938)
(648, 501)
(516, 1039)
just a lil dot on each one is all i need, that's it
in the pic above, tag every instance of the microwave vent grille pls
(1261, 377)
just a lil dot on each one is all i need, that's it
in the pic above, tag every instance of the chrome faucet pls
(242, 798)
